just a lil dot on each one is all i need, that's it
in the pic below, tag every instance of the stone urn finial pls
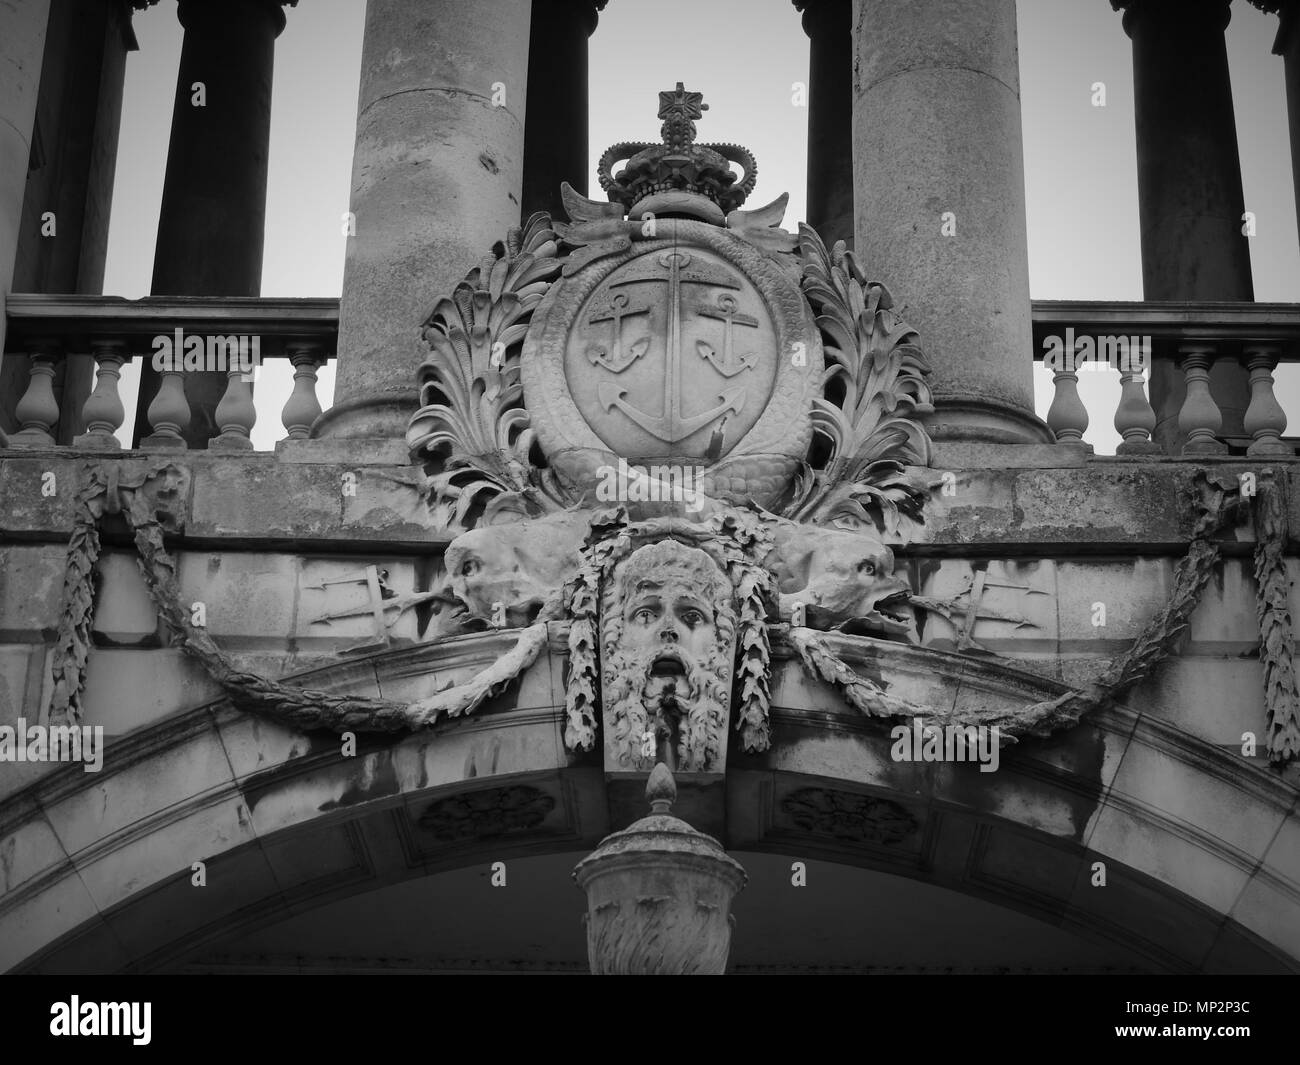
(661, 789)
(659, 894)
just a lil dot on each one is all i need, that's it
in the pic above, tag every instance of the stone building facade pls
(635, 477)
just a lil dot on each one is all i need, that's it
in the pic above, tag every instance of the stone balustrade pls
(114, 330)
(1125, 338)
(1257, 336)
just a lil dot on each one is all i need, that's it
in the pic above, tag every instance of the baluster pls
(235, 414)
(302, 407)
(103, 412)
(38, 411)
(1067, 416)
(1199, 420)
(1134, 417)
(169, 413)
(1265, 419)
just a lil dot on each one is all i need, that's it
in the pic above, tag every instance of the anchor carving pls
(611, 396)
(615, 359)
(728, 363)
(671, 425)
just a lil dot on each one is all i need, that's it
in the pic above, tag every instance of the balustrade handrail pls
(1217, 320)
(77, 320)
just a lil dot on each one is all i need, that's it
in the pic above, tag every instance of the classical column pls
(939, 207)
(1190, 199)
(211, 229)
(555, 140)
(22, 45)
(828, 24)
(63, 242)
(1287, 45)
(436, 181)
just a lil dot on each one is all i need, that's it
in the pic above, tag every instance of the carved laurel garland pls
(607, 543)
(744, 539)
(72, 644)
(1276, 640)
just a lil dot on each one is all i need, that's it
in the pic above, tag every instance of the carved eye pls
(693, 618)
(643, 616)
(470, 567)
(869, 568)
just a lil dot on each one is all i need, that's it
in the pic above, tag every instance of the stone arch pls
(97, 868)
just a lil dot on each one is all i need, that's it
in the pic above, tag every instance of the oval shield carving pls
(673, 351)
(690, 346)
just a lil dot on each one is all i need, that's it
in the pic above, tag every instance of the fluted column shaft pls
(939, 208)
(211, 229)
(829, 25)
(555, 140)
(1190, 198)
(436, 181)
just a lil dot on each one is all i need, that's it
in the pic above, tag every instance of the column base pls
(380, 416)
(1271, 448)
(358, 451)
(230, 442)
(1139, 447)
(159, 442)
(1205, 447)
(97, 442)
(31, 438)
(987, 420)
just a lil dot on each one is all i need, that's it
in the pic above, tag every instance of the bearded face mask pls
(667, 641)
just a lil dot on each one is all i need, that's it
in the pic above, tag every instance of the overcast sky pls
(1080, 160)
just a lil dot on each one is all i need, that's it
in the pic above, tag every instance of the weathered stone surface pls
(248, 598)
(235, 498)
(169, 851)
(28, 846)
(31, 592)
(432, 127)
(36, 920)
(127, 689)
(1169, 856)
(38, 493)
(1215, 698)
(139, 788)
(237, 880)
(1125, 595)
(1238, 815)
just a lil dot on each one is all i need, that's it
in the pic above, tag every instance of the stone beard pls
(667, 640)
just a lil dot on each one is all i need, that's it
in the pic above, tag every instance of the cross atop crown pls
(678, 109)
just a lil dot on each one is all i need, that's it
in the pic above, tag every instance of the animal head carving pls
(839, 577)
(518, 566)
